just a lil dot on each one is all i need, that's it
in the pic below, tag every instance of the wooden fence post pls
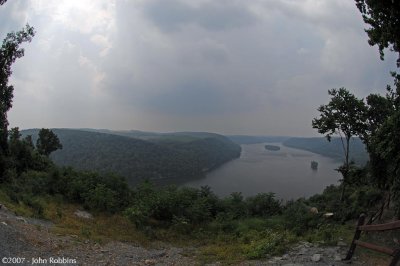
(356, 237)
(396, 258)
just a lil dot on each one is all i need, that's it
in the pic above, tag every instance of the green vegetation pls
(10, 51)
(47, 142)
(162, 160)
(382, 16)
(272, 147)
(342, 116)
(232, 228)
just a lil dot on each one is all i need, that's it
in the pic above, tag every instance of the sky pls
(259, 67)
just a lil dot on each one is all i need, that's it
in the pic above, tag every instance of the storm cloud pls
(234, 67)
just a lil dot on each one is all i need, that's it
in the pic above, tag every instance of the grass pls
(19, 209)
(101, 228)
(228, 253)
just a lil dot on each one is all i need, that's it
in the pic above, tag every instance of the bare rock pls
(150, 262)
(314, 210)
(316, 257)
(83, 214)
(302, 251)
(21, 219)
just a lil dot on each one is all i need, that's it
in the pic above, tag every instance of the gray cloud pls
(240, 67)
(172, 15)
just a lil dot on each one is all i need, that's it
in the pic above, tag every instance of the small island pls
(272, 147)
(314, 165)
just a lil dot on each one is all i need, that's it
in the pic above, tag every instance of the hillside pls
(165, 160)
(245, 139)
(318, 145)
(332, 149)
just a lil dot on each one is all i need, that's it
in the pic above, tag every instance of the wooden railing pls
(395, 253)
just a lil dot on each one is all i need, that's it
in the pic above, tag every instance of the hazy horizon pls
(162, 132)
(230, 67)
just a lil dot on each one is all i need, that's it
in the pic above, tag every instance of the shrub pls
(298, 217)
(271, 243)
(263, 205)
(101, 198)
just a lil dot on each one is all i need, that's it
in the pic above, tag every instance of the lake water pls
(286, 172)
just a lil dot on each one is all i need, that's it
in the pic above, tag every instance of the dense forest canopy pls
(179, 157)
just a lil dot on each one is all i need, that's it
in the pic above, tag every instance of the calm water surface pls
(286, 172)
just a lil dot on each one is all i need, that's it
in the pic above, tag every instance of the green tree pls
(47, 142)
(10, 50)
(385, 144)
(21, 152)
(388, 147)
(379, 108)
(382, 141)
(383, 17)
(342, 116)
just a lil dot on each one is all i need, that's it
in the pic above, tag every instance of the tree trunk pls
(346, 169)
(343, 190)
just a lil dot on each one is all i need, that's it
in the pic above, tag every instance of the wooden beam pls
(380, 227)
(357, 235)
(380, 249)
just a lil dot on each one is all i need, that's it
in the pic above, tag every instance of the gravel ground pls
(31, 239)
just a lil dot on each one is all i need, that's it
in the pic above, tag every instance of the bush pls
(235, 206)
(271, 243)
(101, 198)
(263, 205)
(298, 218)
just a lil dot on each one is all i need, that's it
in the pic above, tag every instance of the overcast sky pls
(228, 66)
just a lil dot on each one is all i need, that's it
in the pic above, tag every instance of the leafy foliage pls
(10, 51)
(195, 206)
(271, 243)
(343, 116)
(47, 142)
(383, 17)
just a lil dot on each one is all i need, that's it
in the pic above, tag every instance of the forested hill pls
(160, 137)
(244, 139)
(318, 145)
(331, 149)
(175, 158)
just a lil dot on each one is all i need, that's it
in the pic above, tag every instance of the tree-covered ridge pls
(136, 159)
(332, 149)
(245, 139)
(159, 136)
